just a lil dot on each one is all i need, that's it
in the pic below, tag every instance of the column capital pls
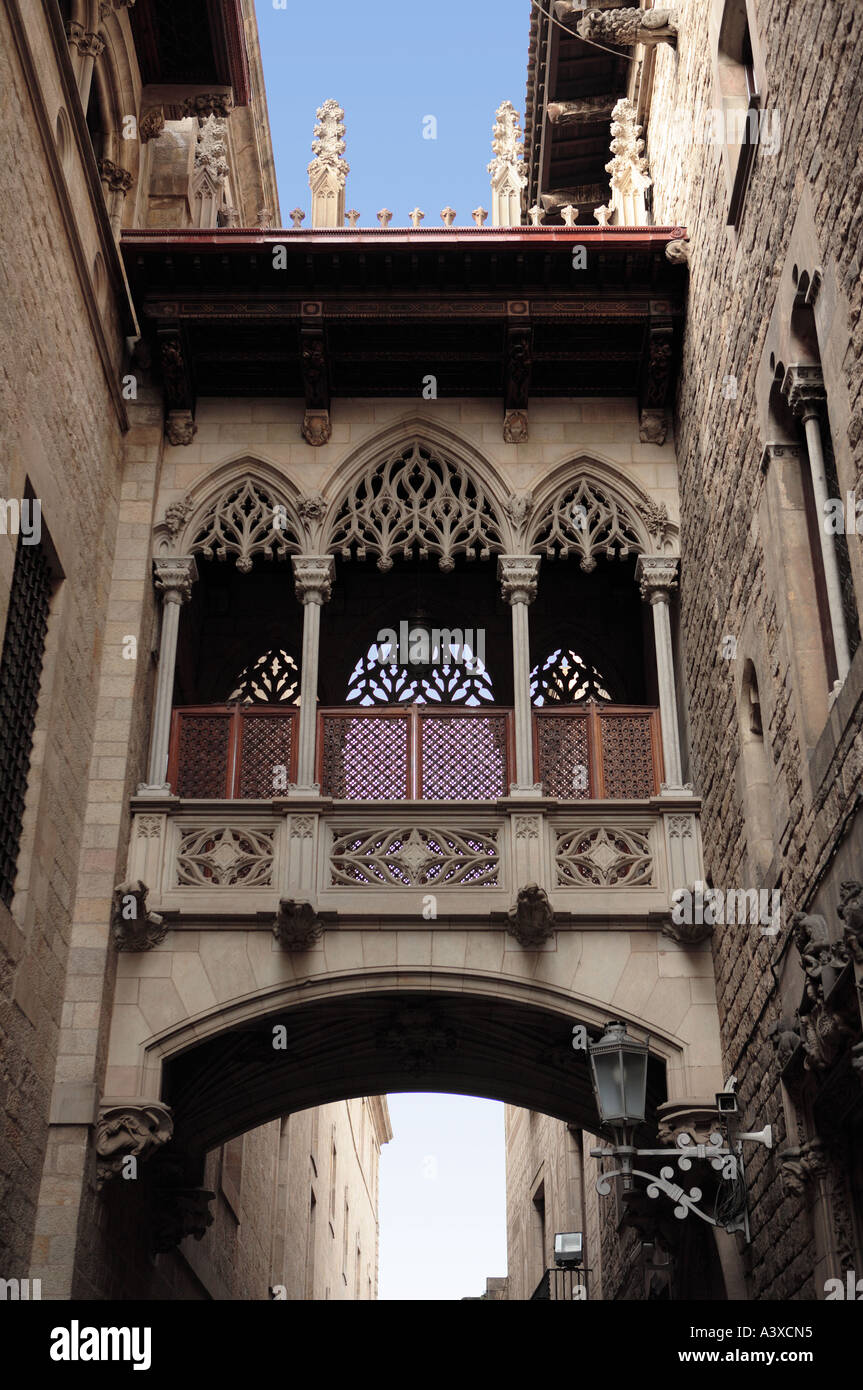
(174, 578)
(657, 576)
(803, 388)
(518, 577)
(313, 577)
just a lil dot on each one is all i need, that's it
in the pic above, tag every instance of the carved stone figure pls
(297, 926)
(850, 910)
(129, 1129)
(317, 428)
(628, 26)
(515, 427)
(677, 252)
(180, 427)
(820, 957)
(531, 920)
(180, 1212)
(133, 927)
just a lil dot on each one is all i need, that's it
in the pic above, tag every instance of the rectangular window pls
(20, 673)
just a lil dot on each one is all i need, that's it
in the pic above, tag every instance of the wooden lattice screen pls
(598, 751)
(232, 751)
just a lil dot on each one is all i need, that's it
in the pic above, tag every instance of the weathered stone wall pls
(62, 432)
(542, 1155)
(738, 524)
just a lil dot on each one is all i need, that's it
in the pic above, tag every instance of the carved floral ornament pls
(415, 503)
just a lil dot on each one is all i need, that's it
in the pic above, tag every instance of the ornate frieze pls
(531, 919)
(416, 858)
(416, 502)
(297, 926)
(225, 857)
(604, 857)
(132, 926)
(129, 1129)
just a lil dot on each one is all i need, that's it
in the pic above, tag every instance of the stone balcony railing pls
(416, 818)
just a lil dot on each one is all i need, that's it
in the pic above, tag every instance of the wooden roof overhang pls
(566, 157)
(192, 43)
(488, 312)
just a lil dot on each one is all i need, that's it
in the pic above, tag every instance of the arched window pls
(740, 101)
(565, 678)
(274, 679)
(459, 677)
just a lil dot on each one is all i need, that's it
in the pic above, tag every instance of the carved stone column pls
(518, 578)
(657, 576)
(174, 580)
(803, 388)
(313, 578)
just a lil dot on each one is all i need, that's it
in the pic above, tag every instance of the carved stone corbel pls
(801, 1167)
(515, 427)
(677, 252)
(180, 427)
(208, 104)
(125, 1129)
(687, 933)
(850, 911)
(88, 44)
(697, 1118)
(118, 179)
(150, 127)
(133, 927)
(626, 26)
(297, 926)
(180, 1212)
(531, 919)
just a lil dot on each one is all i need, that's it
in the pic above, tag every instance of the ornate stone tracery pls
(418, 858)
(247, 519)
(416, 503)
(590, 520)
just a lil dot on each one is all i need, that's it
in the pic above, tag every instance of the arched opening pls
(374, 1042)
(756, 774)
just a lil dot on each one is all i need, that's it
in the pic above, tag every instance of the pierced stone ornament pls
(416, 503)
(589, 521)
(247, 520)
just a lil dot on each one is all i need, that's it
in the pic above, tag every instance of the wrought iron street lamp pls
(619, 1069)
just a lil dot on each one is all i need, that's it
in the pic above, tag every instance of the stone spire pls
(211, 170)
(628, 168)
(507, 169)
(328, 170)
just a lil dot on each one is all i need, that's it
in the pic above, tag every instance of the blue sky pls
(443, 1198)
(390, 64)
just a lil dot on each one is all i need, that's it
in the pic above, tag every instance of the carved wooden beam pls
(316, 376)
(178, 385)
(656, 375)
(518, 361)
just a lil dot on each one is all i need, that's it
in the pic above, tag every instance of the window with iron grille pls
(20, 672)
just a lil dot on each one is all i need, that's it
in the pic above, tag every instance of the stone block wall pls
(803, 203)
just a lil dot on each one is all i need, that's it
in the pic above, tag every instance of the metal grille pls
(627, 756)
(463, 757)
(202, 763)
(365, 757)
(564, 756)
(20, 672)
(266, 755)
